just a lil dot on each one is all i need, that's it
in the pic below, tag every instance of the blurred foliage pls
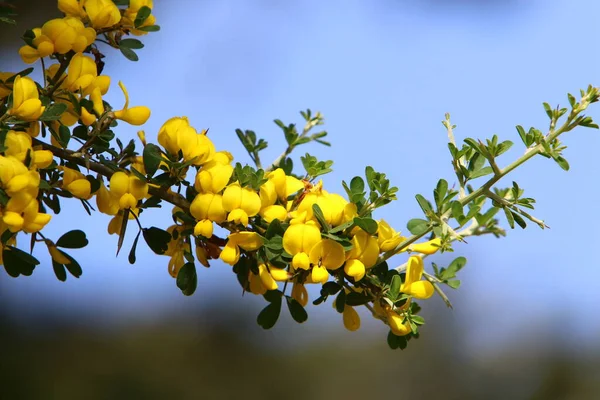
(226, 359)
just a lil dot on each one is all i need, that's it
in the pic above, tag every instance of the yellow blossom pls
(298, 240)
(387, 237)
(176, 135)
(57, 255)
(107, 203)
(241, 203)
(102, 13)
(413, 285)
(215, 174)
(428, 247)
(129, 189)
(208, 207)
(300, 294)
(59, 35)
(5, 87)
(325, 254)
(131, 13)
(249, 241)
(135, 115)
(76, 183)
(363, 255)
(397, 324)
(351, 318)
(72, 8)
(26, 101)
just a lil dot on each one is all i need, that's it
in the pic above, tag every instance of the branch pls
(170, 197)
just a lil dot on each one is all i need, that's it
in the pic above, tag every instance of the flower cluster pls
(281, 232)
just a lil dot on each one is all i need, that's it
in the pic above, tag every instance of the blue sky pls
(383, 74)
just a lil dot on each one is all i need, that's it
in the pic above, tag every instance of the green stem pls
(530, 153)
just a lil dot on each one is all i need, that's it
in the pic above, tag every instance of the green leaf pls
(562, 162)
(366, 224)
(417, 226)
(519, 220)
(298, 312)
(481, 172)
(74, 239)
(454, 284)
(456, 265)
(129, 54)
(357, 185)
(269, 315)
(439, 193)
(53, 112)
(340, 301)
(318, 213)
(187, 279)
(424, 204)
(357, 299)
(152, 156)
(509, 217)
(17, 261)
(330, 288)
(64, 135)
(395, 287)
(457, 212)
(149, 28)
(131, 257)
(59, 271)
(131, 43)
(138, 175)
(157, 239)
(73, 267)
(396, 342)
(142, 15)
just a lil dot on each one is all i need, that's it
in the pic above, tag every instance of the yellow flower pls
(131, 12)
(387, 237)
(128, 189)
(102, 13)
(325, 254)
(14, 176)
(208, 207)
(107, 203)
(72, 8)
(5, 87)
(114, 225)
(270, 213)
(135, 115)
(204, 228)
(22, 213)
(363, 255)
(18, 145)
(298, 240)
(428, 248)
(59, 35)
(176, 249)
(26, 101)
(76, 183)
(300, 294)
(397, 324)
(82, 73)
(413, 285)
(279, 186)
(57, 255)
(176, 135)
(215, 174)
(249, 241)
(241, 203)
(350, 318)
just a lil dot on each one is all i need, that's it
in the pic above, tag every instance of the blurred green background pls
(137, 339)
